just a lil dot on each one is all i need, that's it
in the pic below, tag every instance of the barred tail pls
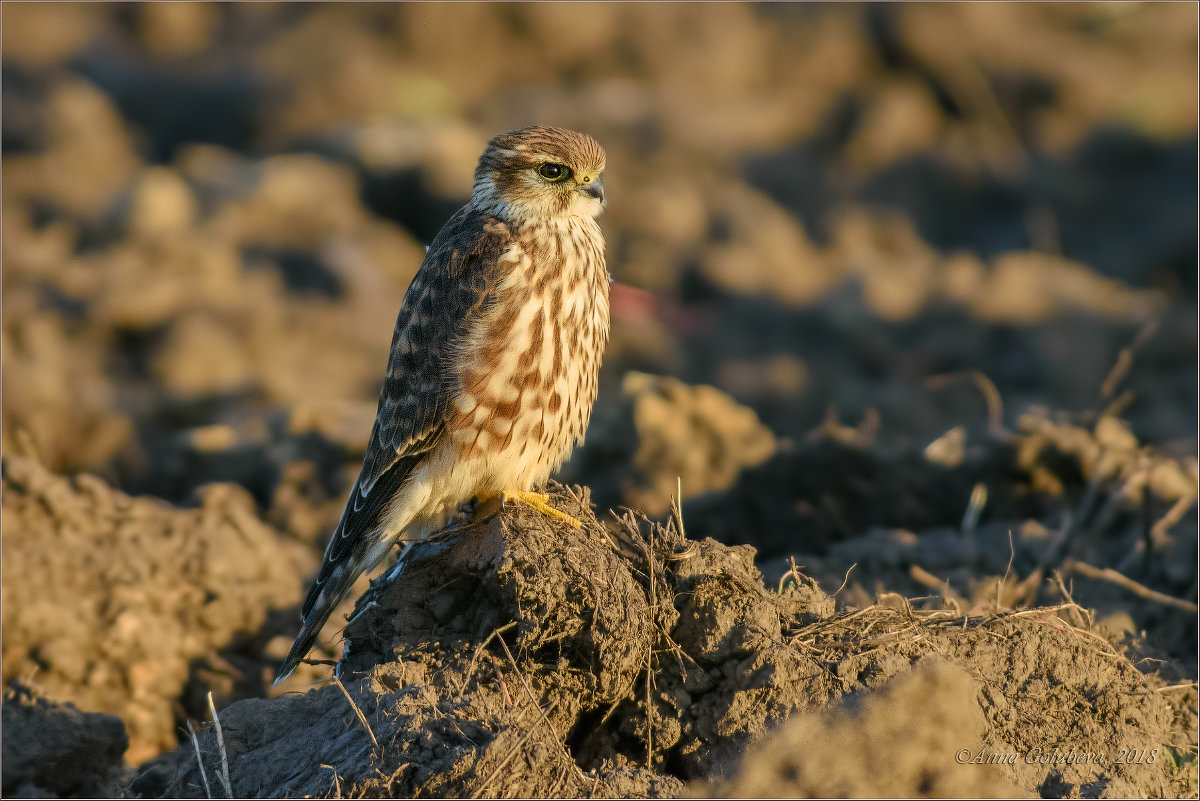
(324, 597)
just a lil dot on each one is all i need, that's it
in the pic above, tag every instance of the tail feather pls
(323, 598)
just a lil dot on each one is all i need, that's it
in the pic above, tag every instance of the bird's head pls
(540, 172)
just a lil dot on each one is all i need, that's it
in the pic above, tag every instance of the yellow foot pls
(534, 500)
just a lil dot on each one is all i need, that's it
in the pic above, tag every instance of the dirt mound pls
(519, 657)
(54, 749)
(1065, 493)
(123, 634)
(909, 731)
(1066, 711)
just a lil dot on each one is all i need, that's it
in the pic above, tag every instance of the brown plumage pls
(492, 373)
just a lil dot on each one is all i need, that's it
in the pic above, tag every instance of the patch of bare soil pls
(519, 657)
(900, 734)
(1074, 495)
(112, 602)
(56, 750)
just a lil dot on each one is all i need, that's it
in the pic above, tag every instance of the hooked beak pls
(593, 189)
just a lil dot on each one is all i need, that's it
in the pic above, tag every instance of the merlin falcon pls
(494, 360)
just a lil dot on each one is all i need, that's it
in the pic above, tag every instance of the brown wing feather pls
(455, 284)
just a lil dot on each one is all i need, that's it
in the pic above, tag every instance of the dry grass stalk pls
(513, 663)
(924, 577)
(200, 760)
(337, 781)
(478, 651)
(845, 580)
(650, 651)
(361, 717)
(508, 702)
(793, 572)
(1125, 358)
(1140, 590)
(676, 507)
(986, 387)
(212, 710)
(481, 792)
(1012, 552)
(1158, 532)
(533, 700)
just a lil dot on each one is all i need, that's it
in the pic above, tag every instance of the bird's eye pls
(554, 172)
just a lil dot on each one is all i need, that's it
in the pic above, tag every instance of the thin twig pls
(1077, 616)
(1061, 548)
(534, 701)
(1117, 406)
(650, 650)
(880, 647)
(200, 761)
(1061, 625)
(793, 571)
(1133, 485)
(552, 792)
(1125, 358)
(478, 651)
(212, 710)
(508, 702)
(845, 579)
(1004, 581)
(361, 717)
(513, 662)
(1158, 533)
(478, 793)
(677, 507)
(1140, 590)
(1039, 610)
(923, 576)
(1118, 372)
(991, 395)
(337, 781)
(649, 711)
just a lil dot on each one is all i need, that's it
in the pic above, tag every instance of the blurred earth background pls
(910, 288)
